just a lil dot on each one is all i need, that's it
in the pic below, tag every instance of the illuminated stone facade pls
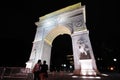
(70, 20)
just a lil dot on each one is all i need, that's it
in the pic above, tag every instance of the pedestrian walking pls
(36, 70)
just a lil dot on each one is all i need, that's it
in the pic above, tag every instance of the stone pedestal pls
(87, 67)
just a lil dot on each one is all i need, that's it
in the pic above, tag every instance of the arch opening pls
(62, 53)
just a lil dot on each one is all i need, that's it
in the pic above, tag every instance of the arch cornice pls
(66, 9)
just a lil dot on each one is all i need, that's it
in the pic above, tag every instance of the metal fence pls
(15, 73)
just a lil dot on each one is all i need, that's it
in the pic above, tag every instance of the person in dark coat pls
(44, 73)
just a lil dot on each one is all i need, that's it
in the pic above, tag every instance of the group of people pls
(40, 70)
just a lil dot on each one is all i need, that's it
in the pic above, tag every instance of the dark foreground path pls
(19, 74)
(70, 76)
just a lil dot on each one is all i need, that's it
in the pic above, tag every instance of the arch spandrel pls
(59, 30)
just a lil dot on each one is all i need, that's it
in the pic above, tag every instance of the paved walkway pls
(70, 76)
(20, 74)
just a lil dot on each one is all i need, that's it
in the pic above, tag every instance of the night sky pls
(17, 29)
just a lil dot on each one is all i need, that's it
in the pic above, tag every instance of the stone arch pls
(59, 30)
(70, 20)
(48, 39)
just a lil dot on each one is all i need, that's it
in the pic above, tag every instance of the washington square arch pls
(70, 20)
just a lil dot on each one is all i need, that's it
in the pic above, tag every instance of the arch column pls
(83, 65)
(46, 54)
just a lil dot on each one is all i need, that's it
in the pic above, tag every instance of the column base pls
(86, 68)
